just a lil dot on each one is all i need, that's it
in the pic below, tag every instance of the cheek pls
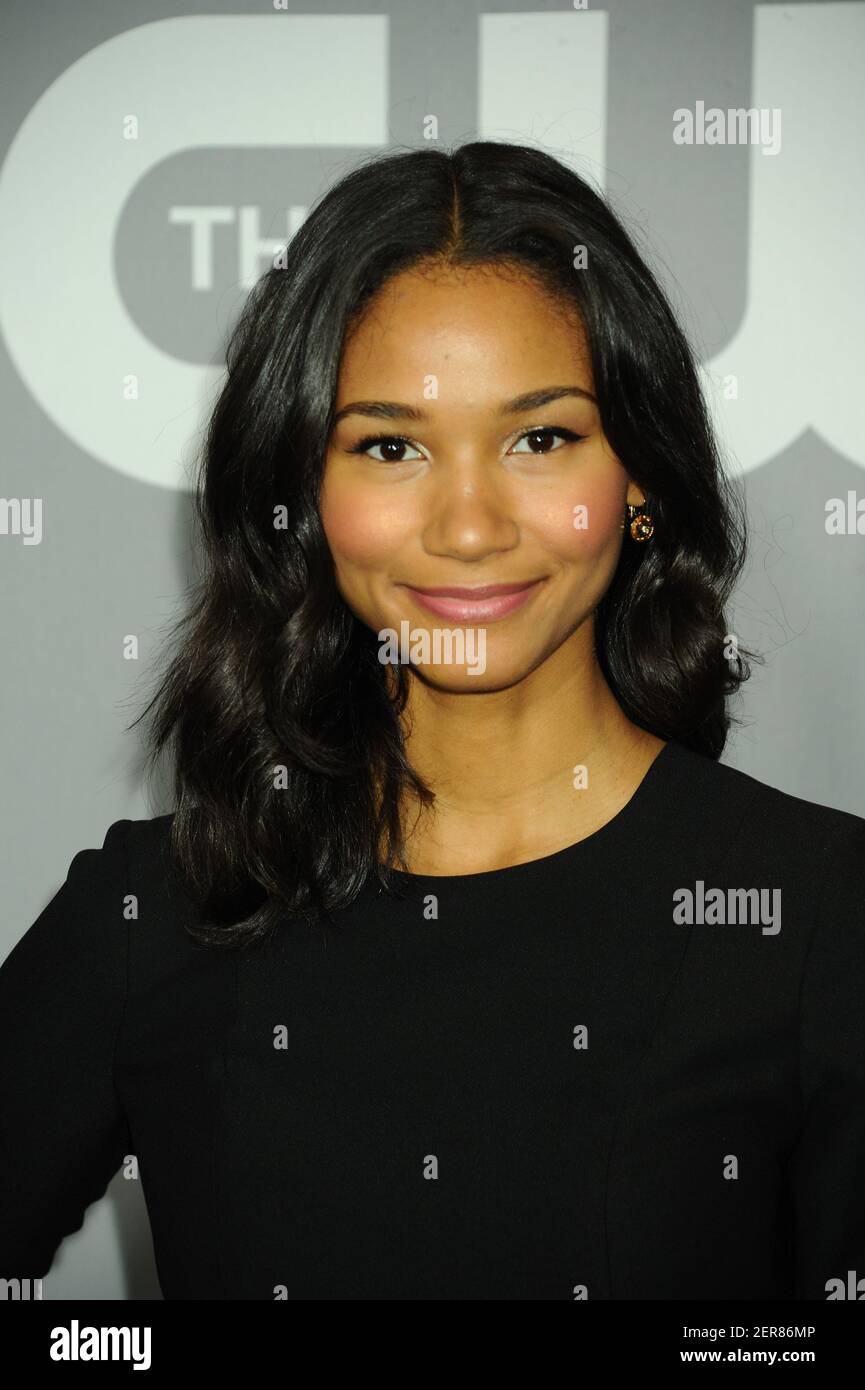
(582, 521)
(363, 525)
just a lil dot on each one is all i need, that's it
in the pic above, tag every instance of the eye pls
(389, 442)
(393, 446)
(544, 435)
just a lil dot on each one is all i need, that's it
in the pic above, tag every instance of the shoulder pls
(747, 811)
(146, 842)
(130, 849)
(125, 841)
(138, 853)
(88, 916)
(128, 845)
(742, 836)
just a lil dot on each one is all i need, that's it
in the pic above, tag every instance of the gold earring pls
(642, 527)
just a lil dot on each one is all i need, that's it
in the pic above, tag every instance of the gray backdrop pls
(153, 157)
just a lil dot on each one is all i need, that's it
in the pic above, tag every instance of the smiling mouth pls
(482, 603)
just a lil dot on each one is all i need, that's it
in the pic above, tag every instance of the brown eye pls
(544, 438)
(393, 445)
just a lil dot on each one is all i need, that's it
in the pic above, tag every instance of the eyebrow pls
(398, 410)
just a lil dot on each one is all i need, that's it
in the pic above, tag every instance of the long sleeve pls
(63, 1134)
(828, 1164)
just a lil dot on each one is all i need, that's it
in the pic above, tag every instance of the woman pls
(462, 969)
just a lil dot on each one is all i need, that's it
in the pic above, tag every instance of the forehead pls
(492, 324)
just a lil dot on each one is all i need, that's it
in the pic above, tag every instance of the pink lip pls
(483, 604)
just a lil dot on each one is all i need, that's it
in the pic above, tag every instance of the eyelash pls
(371, 440)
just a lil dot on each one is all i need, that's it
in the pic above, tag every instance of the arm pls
(63, 1134)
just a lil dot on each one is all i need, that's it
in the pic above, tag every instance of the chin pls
(458, 680)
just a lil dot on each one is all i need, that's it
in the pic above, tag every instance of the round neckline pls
(621, 821)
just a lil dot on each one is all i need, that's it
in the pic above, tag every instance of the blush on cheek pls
(585, 521)
(605, 507)
(361, 530)
(347, 536)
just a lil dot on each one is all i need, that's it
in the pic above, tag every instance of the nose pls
(470, 516)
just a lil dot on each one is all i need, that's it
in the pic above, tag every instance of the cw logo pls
(69, 174)
(202, 82)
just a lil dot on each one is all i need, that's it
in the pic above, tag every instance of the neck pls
(502, 764)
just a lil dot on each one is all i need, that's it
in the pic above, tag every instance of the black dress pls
(603, 1074)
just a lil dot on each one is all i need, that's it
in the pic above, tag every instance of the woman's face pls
(471, 488)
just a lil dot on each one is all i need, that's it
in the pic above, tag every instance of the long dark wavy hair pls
(270, 668)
